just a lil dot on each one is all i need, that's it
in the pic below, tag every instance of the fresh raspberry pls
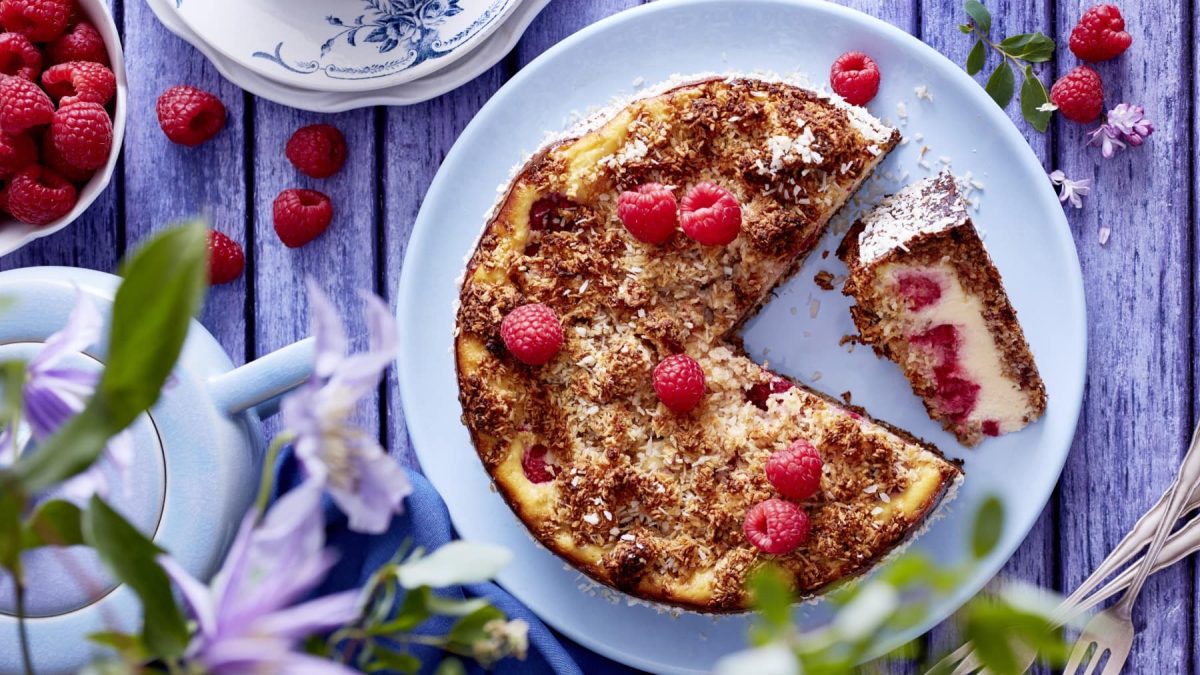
(711, 215)
(1079, 95)
(796, 471)
(190, 116)
(537, 467)
(18, 56)
(679, 383)
(17, 151)
(532, 333)
(855, 77)
(23, 105)
(52, 158)
(38, 20)
(81, 43)
(301, 216)
(226, 260)
(79, 82)
(649, 213)
(318, 150)
(37, 195)
(83, 134)
(776, 526)
(1100, 34)
(760, 393)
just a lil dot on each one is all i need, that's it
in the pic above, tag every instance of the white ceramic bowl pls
(13, 234)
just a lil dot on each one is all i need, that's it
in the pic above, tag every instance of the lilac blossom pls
(364, 482)
(247, 622)
(1125, 125)
(1070, 190)
(54, 392)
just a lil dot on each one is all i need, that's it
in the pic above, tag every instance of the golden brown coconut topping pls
(638, 497)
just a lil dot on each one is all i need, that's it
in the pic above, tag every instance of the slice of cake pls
(928, 297)
(588, 279)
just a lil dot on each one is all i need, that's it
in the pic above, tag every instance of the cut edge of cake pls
(928, 297)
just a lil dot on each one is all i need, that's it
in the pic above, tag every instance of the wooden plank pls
(1034, 562)
(92, 241)
(342, 261)
(165, 182)
(415, 140)
(1137, 412)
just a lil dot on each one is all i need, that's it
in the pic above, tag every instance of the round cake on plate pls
(668, 505)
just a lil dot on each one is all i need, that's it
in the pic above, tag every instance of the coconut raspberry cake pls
(622, 260)
(929, 298)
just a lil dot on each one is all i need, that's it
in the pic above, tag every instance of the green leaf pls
(11, 502)
(772, 596)
(976, 58)
(1031, 47)
(53, 523)
(979, 15)
(164, 283)
(1000, 85)
(459, 562)
(413, 612)
(12, 379)
(1033, 97)
(965, 28)
(450, 666)
(384, 659)
(989, 525)
(469, 629)
(130, 647)
(451, 607)
(132, 558)
(908, 570)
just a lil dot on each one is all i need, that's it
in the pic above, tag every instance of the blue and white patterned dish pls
(344, 45)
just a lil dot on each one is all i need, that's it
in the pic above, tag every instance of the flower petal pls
(328, 330)
(81, 331)
(376, 495)
(311, 617)
(196, 596)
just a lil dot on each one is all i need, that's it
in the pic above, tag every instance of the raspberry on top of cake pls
(929, 298)
(601, 377)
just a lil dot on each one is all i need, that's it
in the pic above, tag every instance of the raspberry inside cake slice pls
(929, 298)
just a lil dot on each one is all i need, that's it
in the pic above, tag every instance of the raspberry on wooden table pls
(80, 82)
(301, 216)
(190, 116)
(17, 151)
(1079, 95)
(23, 105)
(37, 195)
(82, 133)
(855, 77)
(1100, 34)
(317, 151)
(536, 466)
(532, 333)
(81, 43)
(649, 213)
(226, 259)
(795, 471)
(776, 526)
(711, 215)
(679, 383)
(19, 57)
(38, 20)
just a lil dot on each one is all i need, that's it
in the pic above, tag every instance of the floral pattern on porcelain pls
(409, 32)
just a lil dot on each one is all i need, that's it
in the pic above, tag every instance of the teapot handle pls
(261, 383)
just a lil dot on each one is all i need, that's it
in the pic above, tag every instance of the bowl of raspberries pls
(62, 113)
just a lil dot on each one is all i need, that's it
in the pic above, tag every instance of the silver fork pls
(1183, 543)
(1111, 632)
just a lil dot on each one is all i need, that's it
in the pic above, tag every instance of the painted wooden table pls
(1142, 286)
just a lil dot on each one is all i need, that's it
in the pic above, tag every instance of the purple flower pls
(246, 621)
(54, 392)
(365, 483)
(1125, 124)
(1070, 190)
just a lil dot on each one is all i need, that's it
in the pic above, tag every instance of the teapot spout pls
(260, 384)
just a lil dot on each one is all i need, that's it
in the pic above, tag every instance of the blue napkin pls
(425, 522)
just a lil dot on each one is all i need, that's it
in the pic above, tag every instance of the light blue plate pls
(1023, 223)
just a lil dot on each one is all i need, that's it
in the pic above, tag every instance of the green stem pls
(22, 629)
(268, 472)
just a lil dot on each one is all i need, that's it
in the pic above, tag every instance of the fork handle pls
(1185, 482)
